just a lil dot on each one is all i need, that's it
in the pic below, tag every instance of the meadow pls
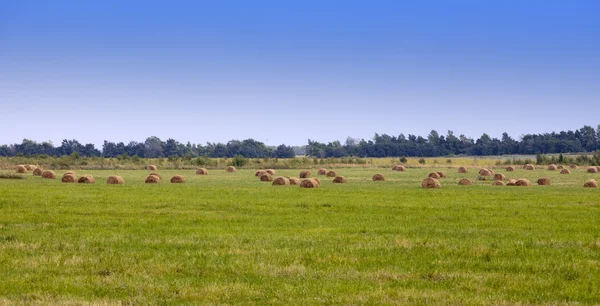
(227, 238)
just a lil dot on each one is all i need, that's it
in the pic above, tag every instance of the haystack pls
(178, 179)
(598, 168)
(560, 167)
(498, 183)
(592, 170)
(465, 182)
(156, 174)
(441, 174)
(573, 166)
(309, 183)
(266, 177)
(434, 175)
(552, 167)
(510, 169)
(529, 167)
(115, 180)
(49, 175)
(30, 167)
(463, 170)
(499, 177)
(339, 180)
(69, 178)
(591, 184)
(485, 172)
(259, 173)
(543, 181)
(70, 172)
(511, 182)
(281, 181)
(270, 171)
(523, 182)
(37, 172)
(430, 183)
(86, 179)
(294, 181)
(378, 177)
(21, 169)
(398, 168)
(152, 168)
(318, 180)
(331, 174)
(305, 174)
(565, 171)
(202, 171)
(152, 179)
(231, 169)
(322, 171)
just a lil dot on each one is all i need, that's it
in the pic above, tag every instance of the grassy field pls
(227, 238)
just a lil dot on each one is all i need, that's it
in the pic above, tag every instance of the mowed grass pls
(227, 238)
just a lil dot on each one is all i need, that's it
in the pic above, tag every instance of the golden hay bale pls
(115, 180)
(485, 172)
(231, 169)
(30, 167)
(202, 171)
(430, 183)
(258, 173)
(434, 175)
(294, 181)
(69, 178)
(178, 179)
(70, 172)
(152, 168)
(573, 166)
(598, 167)
(281, 181)
(266, 177)
(318, 180)
(591, 184)
(543, 181)
(309, 183)
(552, 167)
(21, 169)
(331, 174)
(529, 167)
(322, 171)
(86, 179)
(37, 172)
(441, 174)
(592, 170)
(523, 182)
(156, 174)
(565, 171)
(510, 169)
(463, 170)
(152, 179)
(498, 183)
(270, 171)
(465, 182)
(339, 180)
(511, 182)
(305, 174)
(560, 167)
(49, 174)
(499, 177)
(398, 168)
(378, 177)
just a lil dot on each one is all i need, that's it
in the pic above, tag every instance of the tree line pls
(586, 139)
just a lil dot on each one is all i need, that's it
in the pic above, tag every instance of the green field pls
(227, 238)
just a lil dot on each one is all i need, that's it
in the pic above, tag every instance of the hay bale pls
(331, 174)
(178, 179)
(318, 180)
(309, 183)
(339, 180)
(523, 182)
(378, 177)
(498, 183)
(37, 172)
(202, 171)
(115, 180)
(565, 171)
(270, 171)
(30, 167)
(431, 183)
(499, 177)
(49, 175)
(69, 178)
(510, 169)
(231, 169)
(592, 170)
(511, 182)
(573, 166)
(21, 169)
(591, 184)
(463, 170)
(294, 181)
(485, 172)
(156, 174)
(152, 179)
(152, 168)
(266, 177)
(399, 168)
(529, 167)
(322, 171)
(305, 174)
(543, 181)
(560, 167)
(434, 175)
(598, 168)
(86, 179)
(281, 181)
(465, 181)
(552, 167)
(258, 173)
(441, 174)
(70, 172)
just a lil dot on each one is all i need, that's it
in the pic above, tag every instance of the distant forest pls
(586, 139)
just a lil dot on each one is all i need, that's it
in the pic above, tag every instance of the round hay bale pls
(592, 170)
(270, 171)
(152, 179)
(552, 167)
(178, 179)
(510, 169)
(573, 166)
(152, 168)
(21, 169)
(591, 184)
(294, 181)
(30, 167)
(511, 182)
(305, 174)
(331, 174)
(430, 183)
(37, 172)
(463, 170)
(565, 171)
(115, 180)
(259, 173)
(485, 172)
(399, 168)
(231, 169)
(434, 175)
(86, 179)
(339, 180)
(441, 174)
(318, 180)
(499, 177)
(543, 181)
(560, 167)
(70, 172)
(378, 177)
(598, 168)
(69, 178)
(202, 171)
(523, 182)
(281, 181)
(498, 183)
(465, 181)
(309, 183)
(49, 175)
(156, 174)
(322, 171)
(266, 177)
(529, 167)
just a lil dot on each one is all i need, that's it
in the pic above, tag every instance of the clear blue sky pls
(287, 71)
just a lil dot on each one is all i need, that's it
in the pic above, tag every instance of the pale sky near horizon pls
(289, 71)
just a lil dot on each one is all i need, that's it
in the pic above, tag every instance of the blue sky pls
(287, 71)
